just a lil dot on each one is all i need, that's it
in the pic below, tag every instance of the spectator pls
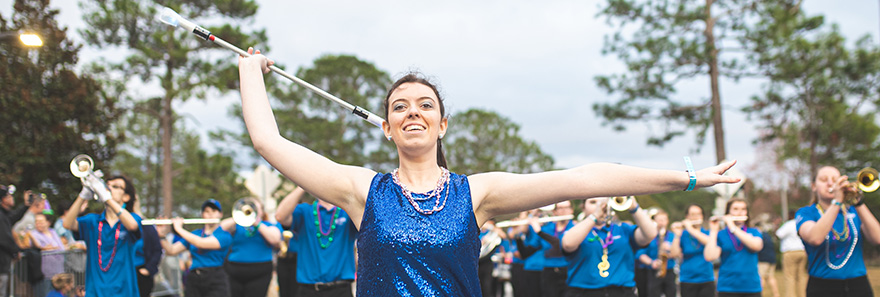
(46, 240)
(9, 250)
(794, 258)
(62, 283)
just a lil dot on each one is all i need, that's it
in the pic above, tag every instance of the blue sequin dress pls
(406, 253)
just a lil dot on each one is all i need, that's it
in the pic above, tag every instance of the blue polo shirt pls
(652, 250)
(209, 258)
(582, 263)
(817, 256)
(694, 267)
(249, 246)
(545, 246)
(739, 269)
(315, 264)
(120, 278)
(535, 262)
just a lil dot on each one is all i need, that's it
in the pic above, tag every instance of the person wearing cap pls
(208, 247)
(110, 236)
(249, 264)
(8, 248)
(325, 256)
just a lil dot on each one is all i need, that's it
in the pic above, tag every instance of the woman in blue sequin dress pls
(419, 225)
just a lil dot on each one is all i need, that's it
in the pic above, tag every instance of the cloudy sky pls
(531, 61)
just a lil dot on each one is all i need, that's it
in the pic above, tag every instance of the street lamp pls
(28, 39)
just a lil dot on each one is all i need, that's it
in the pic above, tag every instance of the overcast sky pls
(531, 61)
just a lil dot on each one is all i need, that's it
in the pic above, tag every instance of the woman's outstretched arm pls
(497, 193)
(342, 185)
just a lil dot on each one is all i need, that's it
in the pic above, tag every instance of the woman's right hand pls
(255, 58)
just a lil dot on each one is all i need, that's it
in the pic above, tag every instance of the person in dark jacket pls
(147, 254)
(9, 250)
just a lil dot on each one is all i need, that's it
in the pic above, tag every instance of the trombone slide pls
(185, 221)
(506, 224)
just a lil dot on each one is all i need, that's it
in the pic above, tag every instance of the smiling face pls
(415, 119)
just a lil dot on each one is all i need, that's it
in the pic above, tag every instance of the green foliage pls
(180, 63)
(662, 44)
(822, 95)
(199, 176)
(48, 112)
(481, 141)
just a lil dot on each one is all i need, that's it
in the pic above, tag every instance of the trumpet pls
(244, 212)
(617, 203)
(866, 181)
(81, 166)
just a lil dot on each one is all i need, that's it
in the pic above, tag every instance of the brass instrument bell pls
(244, 212)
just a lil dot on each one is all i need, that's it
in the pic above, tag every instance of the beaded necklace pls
(329, 234)
(737, 245)
(442, 183)
(839, 236)
(100, 251)
(852, 245)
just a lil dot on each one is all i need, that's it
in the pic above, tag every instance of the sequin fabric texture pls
(405, 253)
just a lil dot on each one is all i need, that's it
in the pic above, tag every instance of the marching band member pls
(419, 224)
(533, 262)
(249, 263)
(286, 267)
(833, 234)
(601, 255)
(110, 236)
(697, 277)
(738, 248)
(661, 279)
(553, 277)
(325, 264)
(208, 248)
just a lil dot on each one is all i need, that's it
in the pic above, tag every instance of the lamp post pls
(28, 39)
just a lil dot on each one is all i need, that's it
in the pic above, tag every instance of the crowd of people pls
(416, 231)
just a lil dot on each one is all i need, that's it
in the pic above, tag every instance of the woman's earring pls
(441, 136)
(389, 137)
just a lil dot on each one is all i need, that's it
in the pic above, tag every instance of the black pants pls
(553, 281)
(484, 272)
(722, 294)
(642, 281)
(145, 283)
(532, 284)
(286, 270)
(612, 291)
(518, 280)
(309, 290)
(207, 282)
(706, 289)
(851, 287)
(661, 286)
(249, 279)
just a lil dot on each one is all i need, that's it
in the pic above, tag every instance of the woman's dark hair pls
(688, 209)
(734, 200)
(129, 189)
(415, 77)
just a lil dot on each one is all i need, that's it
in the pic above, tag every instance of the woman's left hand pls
(711, 176)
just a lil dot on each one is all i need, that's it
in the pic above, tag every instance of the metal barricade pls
(167, 281)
